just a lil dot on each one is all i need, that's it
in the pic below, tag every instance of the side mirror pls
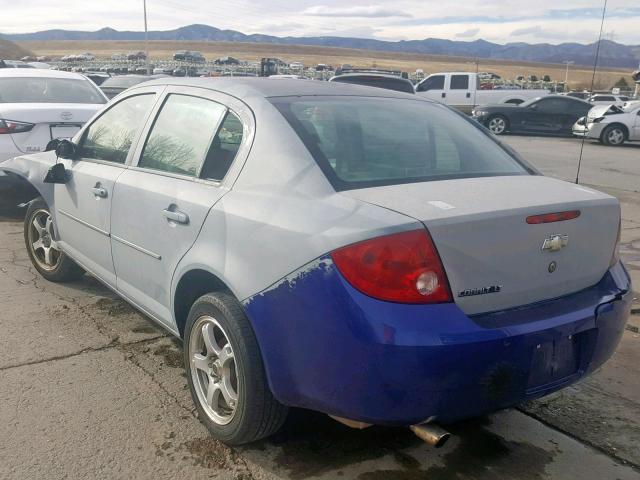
(57, 174)
(66, 149)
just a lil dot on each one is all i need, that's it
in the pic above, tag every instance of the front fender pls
(34, 168)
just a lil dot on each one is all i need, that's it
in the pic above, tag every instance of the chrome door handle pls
(99, 192)
(177, 216)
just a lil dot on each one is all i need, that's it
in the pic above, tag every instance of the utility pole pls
(146, 38)
(566, 74)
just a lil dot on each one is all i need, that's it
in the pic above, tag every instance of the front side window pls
(362, 142)
(435, 82)
(182, 135)
(459, 82)
(49, 90)
(110, 137)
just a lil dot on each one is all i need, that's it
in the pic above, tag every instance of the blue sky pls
(494, 20)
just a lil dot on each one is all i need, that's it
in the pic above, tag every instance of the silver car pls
(361, 252)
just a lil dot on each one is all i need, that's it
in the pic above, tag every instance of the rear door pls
(459, 94)
(161, 202)
(83, 205)
(545, 115)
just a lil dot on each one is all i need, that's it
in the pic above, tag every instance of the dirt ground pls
(89, 388)
(579, 76)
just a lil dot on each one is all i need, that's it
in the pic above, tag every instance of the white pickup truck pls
(461, 90)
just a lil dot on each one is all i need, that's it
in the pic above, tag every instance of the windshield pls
(368, 141)
(48, 90)
(398, 84)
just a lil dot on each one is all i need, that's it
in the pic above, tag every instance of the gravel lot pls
(89, 388)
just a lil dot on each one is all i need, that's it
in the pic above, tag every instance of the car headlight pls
(478, 113)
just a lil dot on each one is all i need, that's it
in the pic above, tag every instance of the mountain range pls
(612, 54)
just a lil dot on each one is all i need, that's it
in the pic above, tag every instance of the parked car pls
(461, 90)
(38, 105)
(605, 99)
(364, 253)
(580, 95)
(136, 55)
(553, 114)
(113, 86)
(614, 125)
(389, 82)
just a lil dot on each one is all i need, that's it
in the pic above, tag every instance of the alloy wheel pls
(213, 370)
(497, 125)
(615, 136)
(44, 247)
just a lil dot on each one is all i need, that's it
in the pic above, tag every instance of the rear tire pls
(498, 124)
(42, 246)
(613, 135)
(225, 372)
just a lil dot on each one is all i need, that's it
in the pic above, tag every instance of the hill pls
(11, 51)
(612, 54)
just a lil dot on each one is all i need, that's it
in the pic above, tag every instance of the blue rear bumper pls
(327, 347)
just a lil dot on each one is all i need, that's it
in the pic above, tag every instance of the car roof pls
(39, 72)
(370, 74)
(243, 87)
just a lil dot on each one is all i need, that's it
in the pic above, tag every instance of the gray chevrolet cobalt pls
(361, 252)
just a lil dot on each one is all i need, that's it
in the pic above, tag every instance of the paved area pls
(89, 388)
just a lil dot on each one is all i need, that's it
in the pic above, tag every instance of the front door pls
(459, 96)
(83, 205)
(161, 203)
(635, 134)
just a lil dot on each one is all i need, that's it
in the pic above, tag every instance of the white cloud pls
(363, 12)
(471, 32)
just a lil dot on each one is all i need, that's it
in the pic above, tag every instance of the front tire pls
(226, 374)
(498, 124)
(613, 135)
(42, 246)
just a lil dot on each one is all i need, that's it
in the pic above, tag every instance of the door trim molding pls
(136, 247)
(82, 222)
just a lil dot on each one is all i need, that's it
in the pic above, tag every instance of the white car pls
(613, 125)
(37, 106)
(607, 99)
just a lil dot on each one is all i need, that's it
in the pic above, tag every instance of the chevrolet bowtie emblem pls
(555, 243)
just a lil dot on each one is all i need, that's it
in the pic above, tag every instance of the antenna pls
(593, 80)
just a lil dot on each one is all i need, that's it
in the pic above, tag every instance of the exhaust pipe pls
(431, 434)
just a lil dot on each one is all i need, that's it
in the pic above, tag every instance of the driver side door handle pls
(176, 216)
(100, 192)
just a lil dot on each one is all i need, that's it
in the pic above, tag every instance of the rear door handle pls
(100, 192)
(176, 216)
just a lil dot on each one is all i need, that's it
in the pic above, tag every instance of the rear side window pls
(48, 90)
(224, 148)
(182, 135)
(361, 142)
(111, 135)
(459, 82)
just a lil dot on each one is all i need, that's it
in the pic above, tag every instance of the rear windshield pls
(48, 90)
(123, 81)
(362, 142)
(398, 84)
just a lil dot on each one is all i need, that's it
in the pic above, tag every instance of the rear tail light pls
(553, 217)
(10, 126)
(403, 267)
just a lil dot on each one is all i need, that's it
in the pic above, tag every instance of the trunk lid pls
(52, 120)
(494, 260)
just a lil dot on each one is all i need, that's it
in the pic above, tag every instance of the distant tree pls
(622, 83)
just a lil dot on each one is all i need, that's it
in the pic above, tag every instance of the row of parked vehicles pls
(365, 253)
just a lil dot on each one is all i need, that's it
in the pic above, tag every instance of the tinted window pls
(48, 90)
(553, 105)
(459, 82)
(397, 84)
(361, 142)
(624, 99)
(224, 148)
(110, 136)
(435, 82)
(604, 98)
(182, 135)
